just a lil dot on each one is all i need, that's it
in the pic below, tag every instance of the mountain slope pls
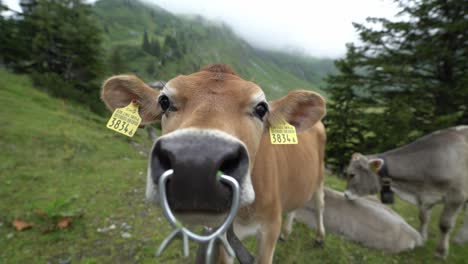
(198, 42)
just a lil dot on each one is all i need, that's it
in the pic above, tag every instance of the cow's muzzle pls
(211, 237)
(197, 158)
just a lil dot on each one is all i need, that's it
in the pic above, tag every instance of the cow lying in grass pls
(213, 120)
(366, 221)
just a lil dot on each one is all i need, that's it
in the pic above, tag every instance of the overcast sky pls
(318, 27)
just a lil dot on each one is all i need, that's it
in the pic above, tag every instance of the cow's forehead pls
(360, 161)
(203, 85)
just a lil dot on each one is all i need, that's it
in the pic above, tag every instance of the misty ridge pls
(185, 43)
(317, 28)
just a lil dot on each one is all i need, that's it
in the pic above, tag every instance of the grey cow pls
(430, 170)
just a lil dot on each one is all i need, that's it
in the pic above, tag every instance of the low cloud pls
(319, 28)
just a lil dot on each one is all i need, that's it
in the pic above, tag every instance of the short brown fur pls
(284, 177)
(219, 68)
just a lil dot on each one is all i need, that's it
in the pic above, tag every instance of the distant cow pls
(213, 120)
(157, 84)
(430, 170)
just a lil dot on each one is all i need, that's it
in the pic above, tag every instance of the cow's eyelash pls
(168, 103)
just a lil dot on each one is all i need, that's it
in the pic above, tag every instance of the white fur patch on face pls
(247, 193)
(151, 193)
(258, 97)
(169, 90)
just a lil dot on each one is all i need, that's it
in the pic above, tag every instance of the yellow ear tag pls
(283, 133)
(125, 120)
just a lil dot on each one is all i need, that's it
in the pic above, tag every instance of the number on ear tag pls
(125, 120)
(283, 133)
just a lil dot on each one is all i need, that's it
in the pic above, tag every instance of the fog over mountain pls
(319, 28)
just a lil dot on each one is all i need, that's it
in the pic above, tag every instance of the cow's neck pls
(401, 184)
(398, 167)
(383, 172)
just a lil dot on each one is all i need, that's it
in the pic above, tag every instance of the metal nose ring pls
(185, 234)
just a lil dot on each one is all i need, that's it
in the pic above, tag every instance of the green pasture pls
(57, 160)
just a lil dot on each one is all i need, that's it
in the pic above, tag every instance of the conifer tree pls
(59, 42)
(407, 77)
(116, 62)
(155, 48)
(145, 45)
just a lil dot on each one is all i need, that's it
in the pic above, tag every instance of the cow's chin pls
(204, 219)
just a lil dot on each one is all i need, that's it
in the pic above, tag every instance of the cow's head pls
(362, 176)
(211, 120)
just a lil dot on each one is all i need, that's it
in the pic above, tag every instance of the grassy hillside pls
(58, 160)
(199, 42)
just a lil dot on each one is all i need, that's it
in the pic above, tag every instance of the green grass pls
(59, 158)
(299, 248)
(53, 151)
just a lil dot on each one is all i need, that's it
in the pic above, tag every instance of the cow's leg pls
(266, 239)
(319, 202)
(424, 218)
(287, 225)
(447, 220)
(462, 235)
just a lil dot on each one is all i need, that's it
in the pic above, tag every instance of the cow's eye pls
(261, 109)
(164, 102)
(351, 176)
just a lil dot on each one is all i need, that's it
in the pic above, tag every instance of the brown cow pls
(213, 120)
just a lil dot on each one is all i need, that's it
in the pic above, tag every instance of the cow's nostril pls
(165, 160)
(230, 163)
(235, 163)
(161, 158)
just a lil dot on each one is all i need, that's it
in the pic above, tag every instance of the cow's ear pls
(375, 164)
(118, 91)
(356, 156)
(299, 108)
